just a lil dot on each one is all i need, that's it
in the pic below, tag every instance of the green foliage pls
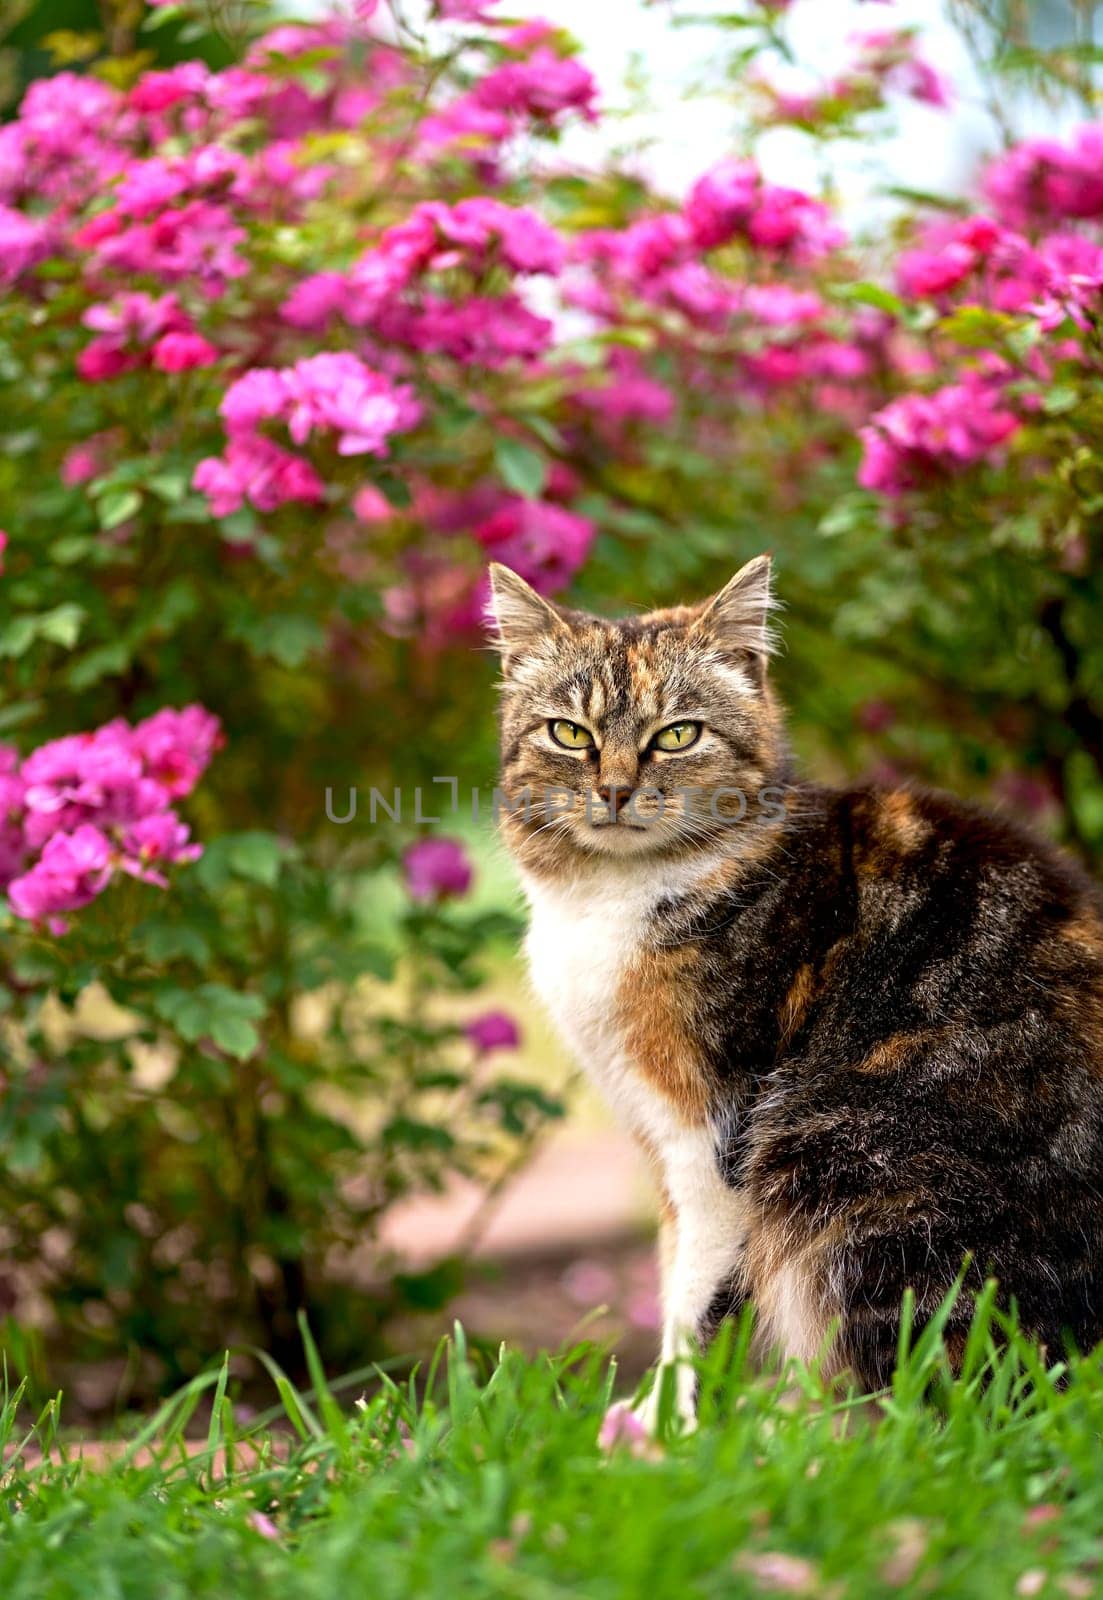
(229, 1104)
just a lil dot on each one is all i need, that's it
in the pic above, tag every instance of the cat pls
(858, 1031)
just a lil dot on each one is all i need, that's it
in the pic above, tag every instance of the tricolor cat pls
(858, 1032)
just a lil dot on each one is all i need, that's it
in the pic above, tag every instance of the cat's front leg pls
(647, 1409)
(700, 1246)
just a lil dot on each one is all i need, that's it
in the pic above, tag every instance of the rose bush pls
(289, 348)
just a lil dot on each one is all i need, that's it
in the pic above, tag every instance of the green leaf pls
(254, 856)
(59, 626)
(520, 1105)
(434, 1288)
(171, 486)
(163, 16)
(1060, 398)
(17, 636)
(71, 549)
(545, 430)
(977, 327)
(240, 527)
(870, 294)
(851, 512)
(341, 962)
(395, 490)
(62, 625)
(287, 639)
(172, 941)
(117, 506)
(521, 469)
(216, 1012)
(411, 1134)
(236, 1035)
(20, 711)
(104, 662)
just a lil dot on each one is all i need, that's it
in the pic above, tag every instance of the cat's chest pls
(577, 956)
(619, 1001)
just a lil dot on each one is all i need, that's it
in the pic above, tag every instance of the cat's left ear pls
(738, 618)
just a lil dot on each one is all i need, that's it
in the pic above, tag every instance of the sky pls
(930, 150)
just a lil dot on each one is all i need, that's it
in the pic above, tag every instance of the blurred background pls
(305, 317)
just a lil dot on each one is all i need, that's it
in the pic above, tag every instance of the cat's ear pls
(519, 617)
(738, 618)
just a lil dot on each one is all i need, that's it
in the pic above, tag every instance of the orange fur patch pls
(890, 1054)
(1087, 932)
(894, 828)
(794, 1008)
(656, 1006)
(900, 819)
(1077, 960)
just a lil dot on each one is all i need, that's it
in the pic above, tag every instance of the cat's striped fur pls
(859, 1033)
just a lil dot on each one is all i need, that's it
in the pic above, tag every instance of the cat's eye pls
(679, 736)
(570, 735)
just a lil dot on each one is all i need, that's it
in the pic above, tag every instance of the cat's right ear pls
(519, 618)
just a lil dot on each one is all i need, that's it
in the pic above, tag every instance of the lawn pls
(488, 1478)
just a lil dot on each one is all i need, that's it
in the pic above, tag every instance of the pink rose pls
(180, 352)
(437, 869)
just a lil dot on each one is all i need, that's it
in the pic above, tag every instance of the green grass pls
(490, 1482)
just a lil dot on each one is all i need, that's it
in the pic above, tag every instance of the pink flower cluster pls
(950, 253)
(891, 57)
(24, 242)
(164, 156)
(1061, 275)
(624, 392)
(887, 61)
(136, 330)
(334, 392)
(82, 808)
(658, 259)
(473, 233)
(538, 88)
(493, 1030)
(925, 436)
(377, 292)
(66, 143)
(437, 869)
(198, 241)
(165, 182)
(1043, 180)
(255, 469)
(733, 201)
(544, 542)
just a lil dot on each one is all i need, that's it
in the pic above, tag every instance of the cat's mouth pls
(617, 836)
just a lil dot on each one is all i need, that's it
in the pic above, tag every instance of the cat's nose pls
(616, 796)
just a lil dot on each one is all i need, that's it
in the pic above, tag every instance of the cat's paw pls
(623, 1428)
(646, 1414)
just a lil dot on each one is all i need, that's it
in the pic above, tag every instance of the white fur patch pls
(582, 933)
(790, 1319)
